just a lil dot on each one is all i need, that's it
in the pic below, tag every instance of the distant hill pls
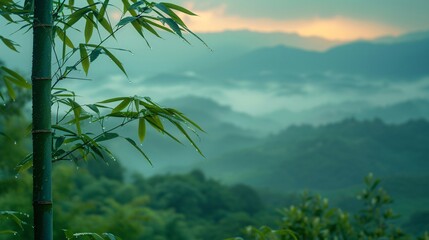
(393, 113)
(330, 157)
(234, 138)
(400, 61)
(413, 36)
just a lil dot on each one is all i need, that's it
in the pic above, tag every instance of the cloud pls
(340, 28)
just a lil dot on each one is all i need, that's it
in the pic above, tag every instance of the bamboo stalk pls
(42, 133)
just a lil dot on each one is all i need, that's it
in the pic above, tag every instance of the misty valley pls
(322, 138)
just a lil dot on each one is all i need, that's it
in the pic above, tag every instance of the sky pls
(338, 21)
(344, 20)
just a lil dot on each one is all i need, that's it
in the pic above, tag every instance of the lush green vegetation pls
(101, 198)
(95, 197)
(313, 218)
(92, 199)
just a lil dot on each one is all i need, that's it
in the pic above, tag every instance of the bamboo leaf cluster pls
(65, 137)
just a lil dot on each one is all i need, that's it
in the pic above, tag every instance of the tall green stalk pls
(42, 133)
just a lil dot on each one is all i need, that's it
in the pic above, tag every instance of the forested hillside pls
(327, 157)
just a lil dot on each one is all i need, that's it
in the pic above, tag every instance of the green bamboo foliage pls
(42, 133)
(66, 139)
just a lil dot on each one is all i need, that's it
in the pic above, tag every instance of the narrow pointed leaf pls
(17, 82)
(134, 144)
(84, 58)
(76, 16)
(106, 136)
(136, 5)
(9, 43)
(158, 25)
(111, 236)
(188, 137)
(126, 20)
(142, 129)
(171, 14)
(94, 54)
(94, 108)
(178, 8)
(89, 27)
(103, 9)
(59, 142)
(64, 38)
(173, 25)
(122, 105)
(104, 23)
(58, 127)
(25, 164)
(148, 27)
(110, 100)
(77, 110)
(116, 61)
(10, 90)
(13, 74)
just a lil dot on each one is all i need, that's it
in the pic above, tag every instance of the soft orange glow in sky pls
(336, 28)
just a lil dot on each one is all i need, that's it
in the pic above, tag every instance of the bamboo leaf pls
(124, 21)
(94, 54)
(13, 216)
(104, 23)
(94, 108)
(136, 5)
(63, 129)
(84, 58)
(186, 119)
(9, 232)
(10, 90)
(29, 5)
(131, 115)
(89, 236)
(195, 35)
(115, 60)
(97, 151)
(73, 139)
(142, 129)
(188, 137)
(76, 16)
(25, 164)
(136, 104)
(178, 8)
(134, 144)
(110, 100)
(103, 9)
(154, 120)
(71, 3)
(106, 136)
(170, 13)
(138, 28)
(154, 125)
(14, 74)
(173, 25)
(9, 43)
(59, 142)
(111, 236)
(63, 37)
(122, 105)
(77, 110)
(158, 25)
(17, 82)
(89, 27)
(148, 27)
